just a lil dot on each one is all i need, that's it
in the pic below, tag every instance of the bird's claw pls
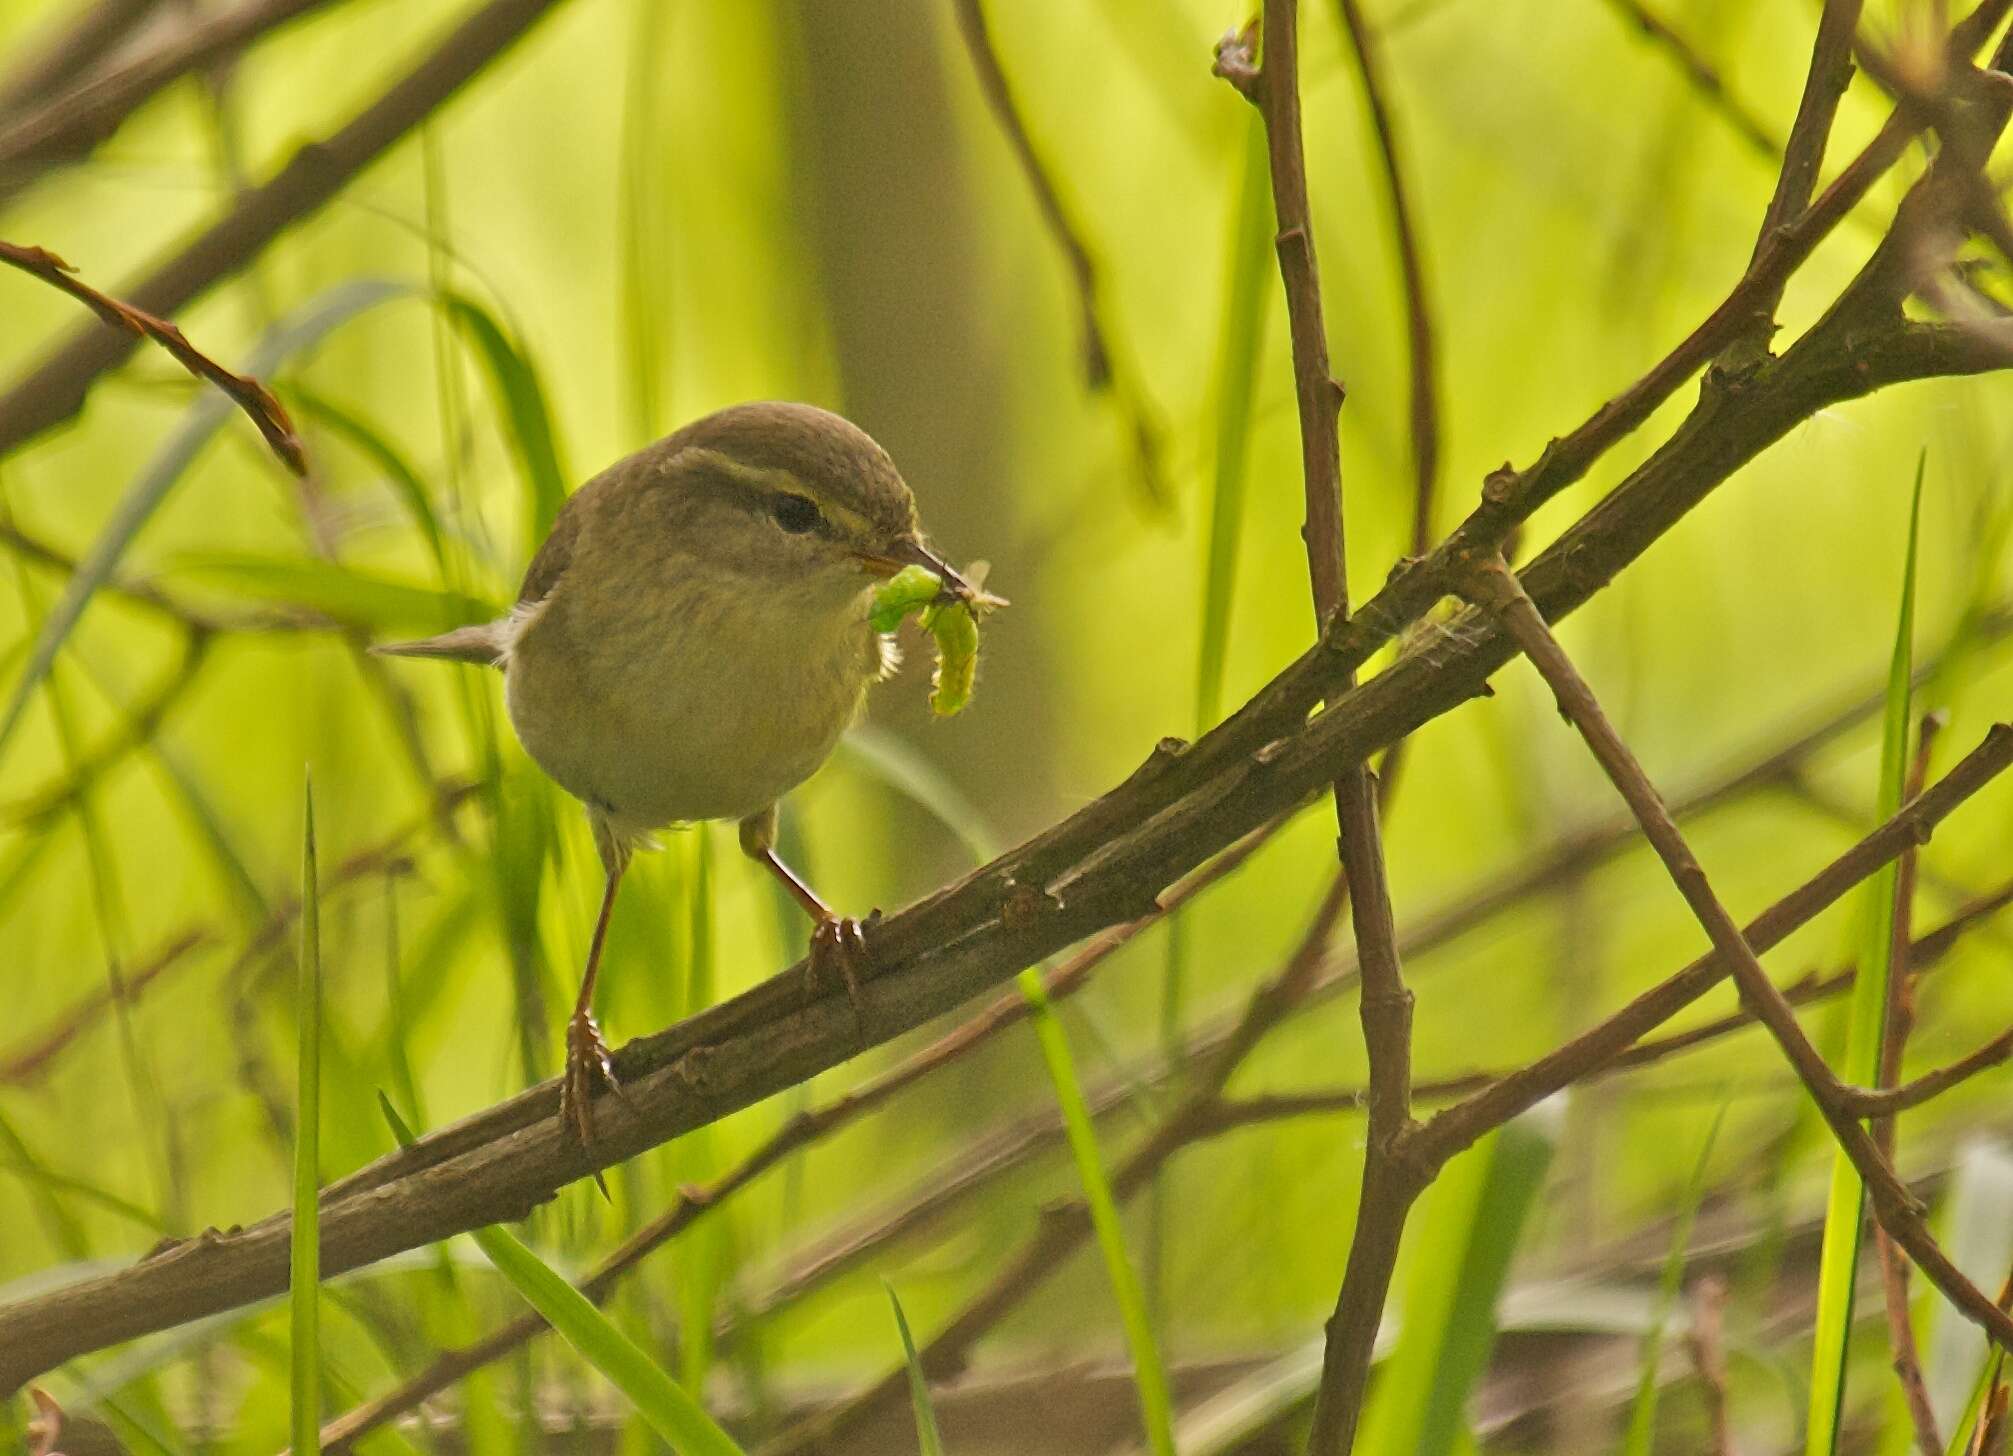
(839, 950)
(587, 1062)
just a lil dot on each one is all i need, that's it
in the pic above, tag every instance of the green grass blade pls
(899, 767)
(1149, 1375)
(928, 1437)
(370, 442)
(521, 394)
(659, 1399)
(1962, 1434)
(1461, 1240)
(295, 335)
(1866, 1023)
(373, 601)
(1640, 1439)
(304, 1285)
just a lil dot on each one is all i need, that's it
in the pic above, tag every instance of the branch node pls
(1237, 62)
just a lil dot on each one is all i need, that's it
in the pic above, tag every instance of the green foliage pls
(521, 399)
(1640, 1437)
(646, 211)
(292, 337)
(1865, 1027)
(928, 1438)
(1148, 1373)
(661, 1401)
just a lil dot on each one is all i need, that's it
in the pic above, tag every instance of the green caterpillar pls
(953, 624)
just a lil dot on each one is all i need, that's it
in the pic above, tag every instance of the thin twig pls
(54, 390)
(1103, 369)
(1829, 73)
(1495, 587)
(1701, 73)
(1055, 217)
(258, 402)
(1424, 409)
(68, 123)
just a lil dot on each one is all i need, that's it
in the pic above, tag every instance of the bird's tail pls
(485, 645)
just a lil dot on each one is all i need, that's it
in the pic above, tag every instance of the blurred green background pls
(667, 207)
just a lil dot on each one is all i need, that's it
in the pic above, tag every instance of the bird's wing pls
(555, 555)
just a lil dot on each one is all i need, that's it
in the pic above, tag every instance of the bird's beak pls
(908, 551)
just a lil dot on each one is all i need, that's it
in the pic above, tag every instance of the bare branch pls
(1701, 73)
(258, 402)
(55, 390)
(1424, 360)
(70, 122)
(1495, 587)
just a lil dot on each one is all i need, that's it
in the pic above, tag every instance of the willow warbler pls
(692, 639)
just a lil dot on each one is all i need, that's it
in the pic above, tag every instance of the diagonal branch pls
(801, 1131)
(1701, 73)
(69, 123)
(247, 393)
(1424, 409)
(1096, 868)
(55, 389)
(1495, 587)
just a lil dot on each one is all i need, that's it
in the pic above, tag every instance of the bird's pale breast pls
(699, 703)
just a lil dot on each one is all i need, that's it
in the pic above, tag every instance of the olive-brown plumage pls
(692, 638)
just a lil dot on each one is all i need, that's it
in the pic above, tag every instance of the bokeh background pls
(663, 208)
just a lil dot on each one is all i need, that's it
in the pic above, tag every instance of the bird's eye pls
(795, 513)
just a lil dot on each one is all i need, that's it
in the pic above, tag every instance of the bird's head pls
(789, 500)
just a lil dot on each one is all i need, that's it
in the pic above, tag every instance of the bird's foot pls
(587, 1064)
(839, 952)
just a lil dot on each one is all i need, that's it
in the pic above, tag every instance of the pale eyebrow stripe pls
(754, 485)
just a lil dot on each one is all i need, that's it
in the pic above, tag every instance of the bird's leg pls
(838, 942)
(587, 1059)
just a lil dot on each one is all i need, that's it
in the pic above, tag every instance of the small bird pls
(690, 642)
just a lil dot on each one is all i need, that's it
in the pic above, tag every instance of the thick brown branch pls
(1096, 868)
(799, 1132)
(55, 390)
